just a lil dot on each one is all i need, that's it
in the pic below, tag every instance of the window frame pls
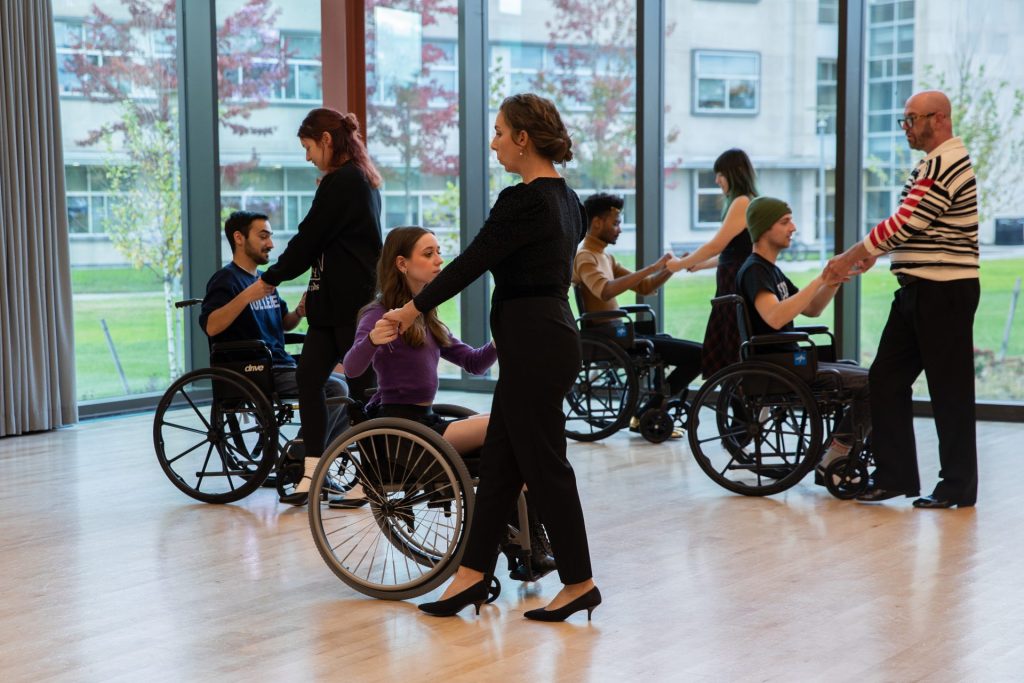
(697, 77)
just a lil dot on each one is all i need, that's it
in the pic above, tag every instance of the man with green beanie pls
(773, 301)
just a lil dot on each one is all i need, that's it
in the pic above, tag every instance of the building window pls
(707, 202)
(828, 81)
(890, 76)
(726, 82)
(828, 11)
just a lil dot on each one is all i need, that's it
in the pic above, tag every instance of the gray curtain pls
(37, 349)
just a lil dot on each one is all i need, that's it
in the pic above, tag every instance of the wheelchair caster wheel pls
(846, 478)
(494, 590)
(656, 425)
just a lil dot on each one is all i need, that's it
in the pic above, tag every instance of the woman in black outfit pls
(528, 243)
(340, 239)
(725, 252)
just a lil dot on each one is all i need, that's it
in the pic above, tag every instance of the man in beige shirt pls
(600, 279)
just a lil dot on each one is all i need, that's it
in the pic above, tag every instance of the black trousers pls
(324, 348)
(930, 328)
(538, 356)
(684, 357)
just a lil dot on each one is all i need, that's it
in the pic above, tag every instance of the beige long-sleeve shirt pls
(594, 267)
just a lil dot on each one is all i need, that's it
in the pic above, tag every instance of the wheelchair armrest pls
(602, 314)
(812, 329)
(726, 299)
(637, 308)
(778, 338)
(245, 345)
(294, 338)
(449, 410)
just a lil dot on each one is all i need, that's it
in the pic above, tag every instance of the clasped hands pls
(841, 268)
(401, 319)
(258, 290)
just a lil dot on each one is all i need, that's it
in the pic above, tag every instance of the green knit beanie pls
(762, 214)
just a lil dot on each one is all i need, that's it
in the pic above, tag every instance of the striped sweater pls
(934, 232)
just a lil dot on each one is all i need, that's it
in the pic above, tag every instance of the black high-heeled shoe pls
(588, 601)
(475, 595)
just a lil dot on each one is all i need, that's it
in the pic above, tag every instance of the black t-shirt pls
(758, 275)
(261, 319)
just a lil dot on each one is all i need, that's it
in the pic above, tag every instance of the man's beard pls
(259, 258)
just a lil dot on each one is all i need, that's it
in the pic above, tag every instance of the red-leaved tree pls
(128, 64)
(412, 122)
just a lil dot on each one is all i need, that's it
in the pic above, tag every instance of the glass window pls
(709, 201)
(969, 70)
(262, 164)
(413, 122)
(787, 75)
(124, 206)
(590, 75)
(726, 82)
(828, 11)
(827, 96)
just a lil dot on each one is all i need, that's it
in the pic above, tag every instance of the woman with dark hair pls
(726, 251)
(340, 240)
(528, 243)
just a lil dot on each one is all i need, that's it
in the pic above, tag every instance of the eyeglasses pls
(911, 119)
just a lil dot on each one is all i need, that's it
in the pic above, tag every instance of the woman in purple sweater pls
(406, 364)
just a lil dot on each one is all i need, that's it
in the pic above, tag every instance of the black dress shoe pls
(588, 601)
(475, 595)
(934, 503)
(342, 503)
(874, 494)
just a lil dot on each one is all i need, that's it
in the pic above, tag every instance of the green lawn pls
(133, 310)
(135, 318)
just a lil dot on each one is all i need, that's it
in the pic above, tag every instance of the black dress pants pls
(324, 348)
(684, 357)
(538, 356)
(930, 328)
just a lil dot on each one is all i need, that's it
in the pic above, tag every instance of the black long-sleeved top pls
(340, 239)
(528, 243)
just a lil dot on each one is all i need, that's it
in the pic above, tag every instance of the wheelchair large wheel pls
(755, 428)
(604, 395)
(215, 450)
(410, 537)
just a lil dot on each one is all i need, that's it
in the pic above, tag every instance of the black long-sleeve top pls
(528, 243)
(340, 239)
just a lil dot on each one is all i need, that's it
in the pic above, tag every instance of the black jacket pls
(340, 239)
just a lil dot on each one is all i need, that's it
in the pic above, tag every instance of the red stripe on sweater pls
(888, 227)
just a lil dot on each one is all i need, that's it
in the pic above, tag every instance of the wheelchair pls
(410, 536)
(620, 371)
(222, 432)
(759, 426)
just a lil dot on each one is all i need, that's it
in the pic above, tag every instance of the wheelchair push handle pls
(187, 302)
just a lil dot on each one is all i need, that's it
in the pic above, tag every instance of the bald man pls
(932, 241)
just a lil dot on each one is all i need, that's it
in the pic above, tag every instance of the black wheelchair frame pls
(620, 371)
(757, 427)
(218, 437)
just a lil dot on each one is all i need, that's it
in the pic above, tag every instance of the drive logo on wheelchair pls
(254, 368)
(800, 359)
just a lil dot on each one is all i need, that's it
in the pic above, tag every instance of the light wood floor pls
(109, 573)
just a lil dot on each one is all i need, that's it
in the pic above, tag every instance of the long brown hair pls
(539, 117)
(393, 288)
(346, 142)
